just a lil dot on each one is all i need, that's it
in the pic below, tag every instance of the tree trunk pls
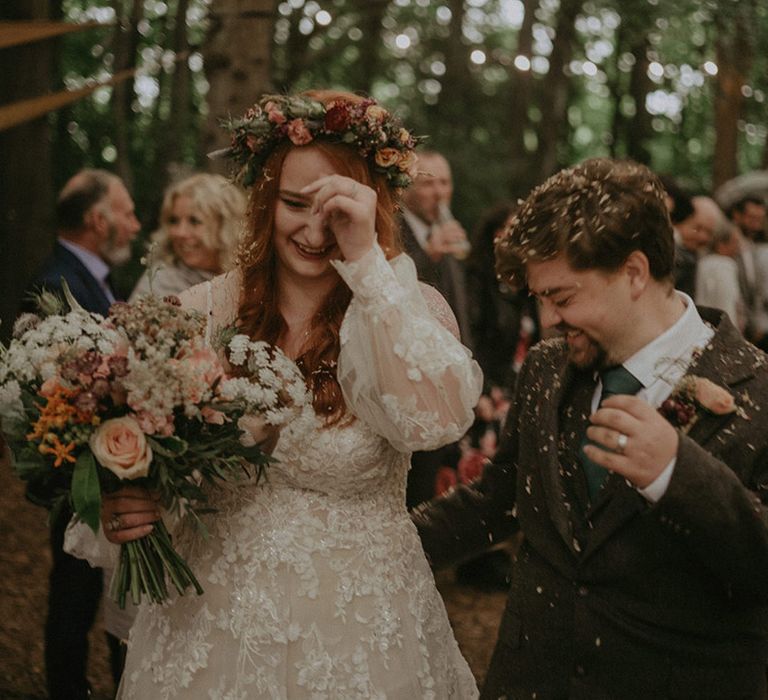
(519, 104)
(177, 125)
(734, 60)
(554, 100)
(638, 128)
(126, 39)
(456, 101)
(26, 189)
(238, 56)
(368, 67)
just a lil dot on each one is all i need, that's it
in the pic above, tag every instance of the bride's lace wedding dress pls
(316, 585)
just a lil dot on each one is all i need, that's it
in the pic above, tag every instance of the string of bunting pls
(18, 33)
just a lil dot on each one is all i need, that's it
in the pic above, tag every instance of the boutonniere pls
(681, 409)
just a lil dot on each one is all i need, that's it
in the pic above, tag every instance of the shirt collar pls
(675, 344)
(93, 263)
(419, 227)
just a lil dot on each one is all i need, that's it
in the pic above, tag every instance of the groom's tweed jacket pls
(626, 600)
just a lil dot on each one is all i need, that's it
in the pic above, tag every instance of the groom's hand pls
(649, 442)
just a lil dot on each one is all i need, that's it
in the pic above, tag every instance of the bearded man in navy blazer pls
(96, 224)
(634, 460)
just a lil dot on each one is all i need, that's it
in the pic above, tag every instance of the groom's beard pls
(584, 352)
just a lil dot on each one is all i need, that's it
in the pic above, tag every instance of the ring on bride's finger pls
(621, 443)
(114, 523)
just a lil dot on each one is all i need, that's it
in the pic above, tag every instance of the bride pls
(316, 585)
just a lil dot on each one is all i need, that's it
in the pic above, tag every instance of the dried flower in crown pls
(692, 393)
(366, 126)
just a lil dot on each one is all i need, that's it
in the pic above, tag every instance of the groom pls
(643, 571)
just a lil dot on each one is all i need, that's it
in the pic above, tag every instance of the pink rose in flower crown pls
(386, 157)
(119, 445)
(298, 132)
(407, 162)
(375, 113)
(274, 113)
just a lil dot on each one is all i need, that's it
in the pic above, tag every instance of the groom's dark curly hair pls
(596, 214)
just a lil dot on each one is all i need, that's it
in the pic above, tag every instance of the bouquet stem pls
(143, 567)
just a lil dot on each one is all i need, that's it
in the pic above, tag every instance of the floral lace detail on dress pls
(316, 586)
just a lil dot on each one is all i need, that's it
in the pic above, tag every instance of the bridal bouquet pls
(88, 404)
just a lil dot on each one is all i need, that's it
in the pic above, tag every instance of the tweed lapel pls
(559, 498)
(726, 360)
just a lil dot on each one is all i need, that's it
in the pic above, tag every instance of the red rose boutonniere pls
(681, 409)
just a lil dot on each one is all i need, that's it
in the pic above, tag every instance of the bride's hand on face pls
(348, 208)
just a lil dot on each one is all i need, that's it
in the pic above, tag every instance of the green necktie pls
(616, 380)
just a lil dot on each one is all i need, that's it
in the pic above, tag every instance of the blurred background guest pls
(749, 215)
(717, 275)
(433, 238)
(200, 224)
(503, 320)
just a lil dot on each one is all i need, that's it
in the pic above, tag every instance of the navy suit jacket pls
(84, 287)
(62, 264)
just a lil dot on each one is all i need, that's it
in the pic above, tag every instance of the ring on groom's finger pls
(621, 443)
(115, 523)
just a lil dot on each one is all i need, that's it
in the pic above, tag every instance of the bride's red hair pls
(259, 315)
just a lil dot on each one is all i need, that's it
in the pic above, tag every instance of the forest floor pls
(24, 564)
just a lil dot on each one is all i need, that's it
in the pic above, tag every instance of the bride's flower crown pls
(369, 128)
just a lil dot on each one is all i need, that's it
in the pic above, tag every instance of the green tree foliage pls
(510, 90)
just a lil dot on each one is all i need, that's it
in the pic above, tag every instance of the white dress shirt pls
(659, 366)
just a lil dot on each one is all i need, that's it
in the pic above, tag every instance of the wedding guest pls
(749, 215)
(201, 220)
(96, 224)
(692, 229)
(503, 319)
(633, 460)
(315, 581)
(717, 276)
(435, 240)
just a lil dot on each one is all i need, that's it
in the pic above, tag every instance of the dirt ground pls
(24, 564)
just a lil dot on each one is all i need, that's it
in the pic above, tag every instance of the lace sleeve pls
(401, 370)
